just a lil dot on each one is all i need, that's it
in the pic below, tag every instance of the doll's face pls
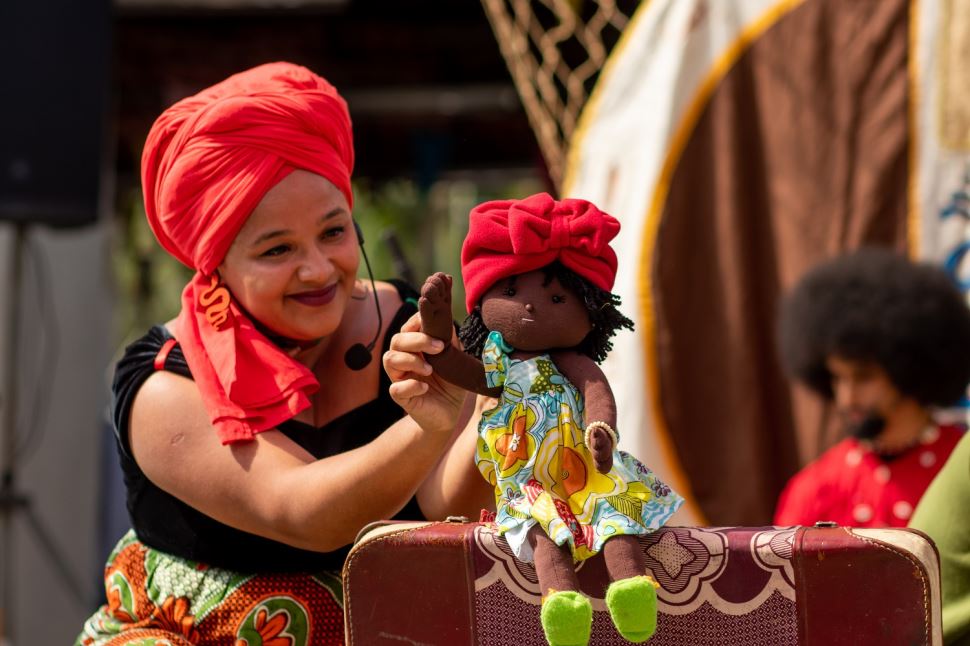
(534, 316)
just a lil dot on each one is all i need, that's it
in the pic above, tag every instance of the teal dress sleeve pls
(495, 358)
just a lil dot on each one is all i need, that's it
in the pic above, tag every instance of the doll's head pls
(546, 309)
(540, 272)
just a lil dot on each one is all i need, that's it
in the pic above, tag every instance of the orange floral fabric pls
(157, 599)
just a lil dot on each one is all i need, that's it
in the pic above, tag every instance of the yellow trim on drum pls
(681, 136)
(648, 327)
(913, 220)
(678, 142)
(674, 474)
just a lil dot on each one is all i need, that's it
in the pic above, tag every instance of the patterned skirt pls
(158, 599)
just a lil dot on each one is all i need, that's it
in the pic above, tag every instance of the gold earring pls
(215, 299)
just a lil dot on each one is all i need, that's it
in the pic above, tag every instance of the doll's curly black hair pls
(601, 305)
(877, 306)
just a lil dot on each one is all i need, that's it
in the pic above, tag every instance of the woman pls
(254, 446)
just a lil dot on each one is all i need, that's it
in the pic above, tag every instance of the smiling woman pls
(292, 273)
(253, 451)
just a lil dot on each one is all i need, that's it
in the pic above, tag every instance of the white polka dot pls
(902, 510)
(853, 457)
(882, 474)
(927, 459)
(930, 435)
(862, 513)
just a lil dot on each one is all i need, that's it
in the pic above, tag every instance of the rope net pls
(555, 50)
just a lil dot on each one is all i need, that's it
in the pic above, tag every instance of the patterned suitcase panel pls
(718, 586)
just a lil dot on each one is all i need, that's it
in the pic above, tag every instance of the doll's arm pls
(451, 364)
(600, 404)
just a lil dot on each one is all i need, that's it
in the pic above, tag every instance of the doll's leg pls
(632, 597)
(566, 615)
(554, 565)
(624, 558)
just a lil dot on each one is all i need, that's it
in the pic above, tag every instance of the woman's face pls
(534, 316)
(294, 262)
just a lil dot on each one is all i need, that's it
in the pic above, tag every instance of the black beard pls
(869, 428)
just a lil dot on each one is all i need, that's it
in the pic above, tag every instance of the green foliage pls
(148, 280)
(428, 227)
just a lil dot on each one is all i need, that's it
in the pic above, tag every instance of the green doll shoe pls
(632, 604)
(567, 618)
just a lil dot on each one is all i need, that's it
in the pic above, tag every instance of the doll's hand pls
(435, 307)
(431, 401)
(601, 446)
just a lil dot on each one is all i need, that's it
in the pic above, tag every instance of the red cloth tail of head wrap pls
(208, 161)
(256, 386)
(510, 237)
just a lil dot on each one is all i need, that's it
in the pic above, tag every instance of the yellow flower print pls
(512, 443)
(565, 467)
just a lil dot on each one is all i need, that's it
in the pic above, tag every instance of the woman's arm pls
(270, 486)
(455, 487)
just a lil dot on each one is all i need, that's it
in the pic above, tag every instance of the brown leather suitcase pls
(456, 583)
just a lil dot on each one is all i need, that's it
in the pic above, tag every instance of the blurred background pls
(739, 142)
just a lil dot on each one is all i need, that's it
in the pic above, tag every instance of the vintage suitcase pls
(456, 583)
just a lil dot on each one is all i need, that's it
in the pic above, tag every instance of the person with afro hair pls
(887, 342)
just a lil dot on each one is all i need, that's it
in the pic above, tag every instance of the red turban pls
(208, 161)
(510, 237)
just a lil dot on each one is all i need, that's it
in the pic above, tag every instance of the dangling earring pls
(215, 299)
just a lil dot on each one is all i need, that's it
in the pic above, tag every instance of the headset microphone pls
(358, 356)
(870, 427)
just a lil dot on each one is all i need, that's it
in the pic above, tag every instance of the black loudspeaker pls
(54, 83)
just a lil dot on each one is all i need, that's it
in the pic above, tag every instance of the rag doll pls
(538, 275)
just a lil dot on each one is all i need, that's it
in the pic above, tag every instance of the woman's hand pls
(431, 401)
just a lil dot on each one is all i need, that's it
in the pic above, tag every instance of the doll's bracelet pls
(603, 425)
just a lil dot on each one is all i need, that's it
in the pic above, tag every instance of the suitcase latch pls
(456, 519)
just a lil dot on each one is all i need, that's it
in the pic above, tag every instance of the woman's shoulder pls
(394, 292)
(398, 301)
(147, 343)
(157, 349)
(168, 399)
(155, 352)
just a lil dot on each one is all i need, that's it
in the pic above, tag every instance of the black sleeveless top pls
(165, 523)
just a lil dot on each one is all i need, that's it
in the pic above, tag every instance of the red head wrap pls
(208, 161)
(509, 237)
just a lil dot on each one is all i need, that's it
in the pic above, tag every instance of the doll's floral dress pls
(530, 446)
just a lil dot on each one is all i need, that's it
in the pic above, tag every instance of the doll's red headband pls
(509, 237)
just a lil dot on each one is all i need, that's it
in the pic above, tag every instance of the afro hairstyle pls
(876, 306)
(601, 305)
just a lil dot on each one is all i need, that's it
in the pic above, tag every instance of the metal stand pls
(12, 501)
